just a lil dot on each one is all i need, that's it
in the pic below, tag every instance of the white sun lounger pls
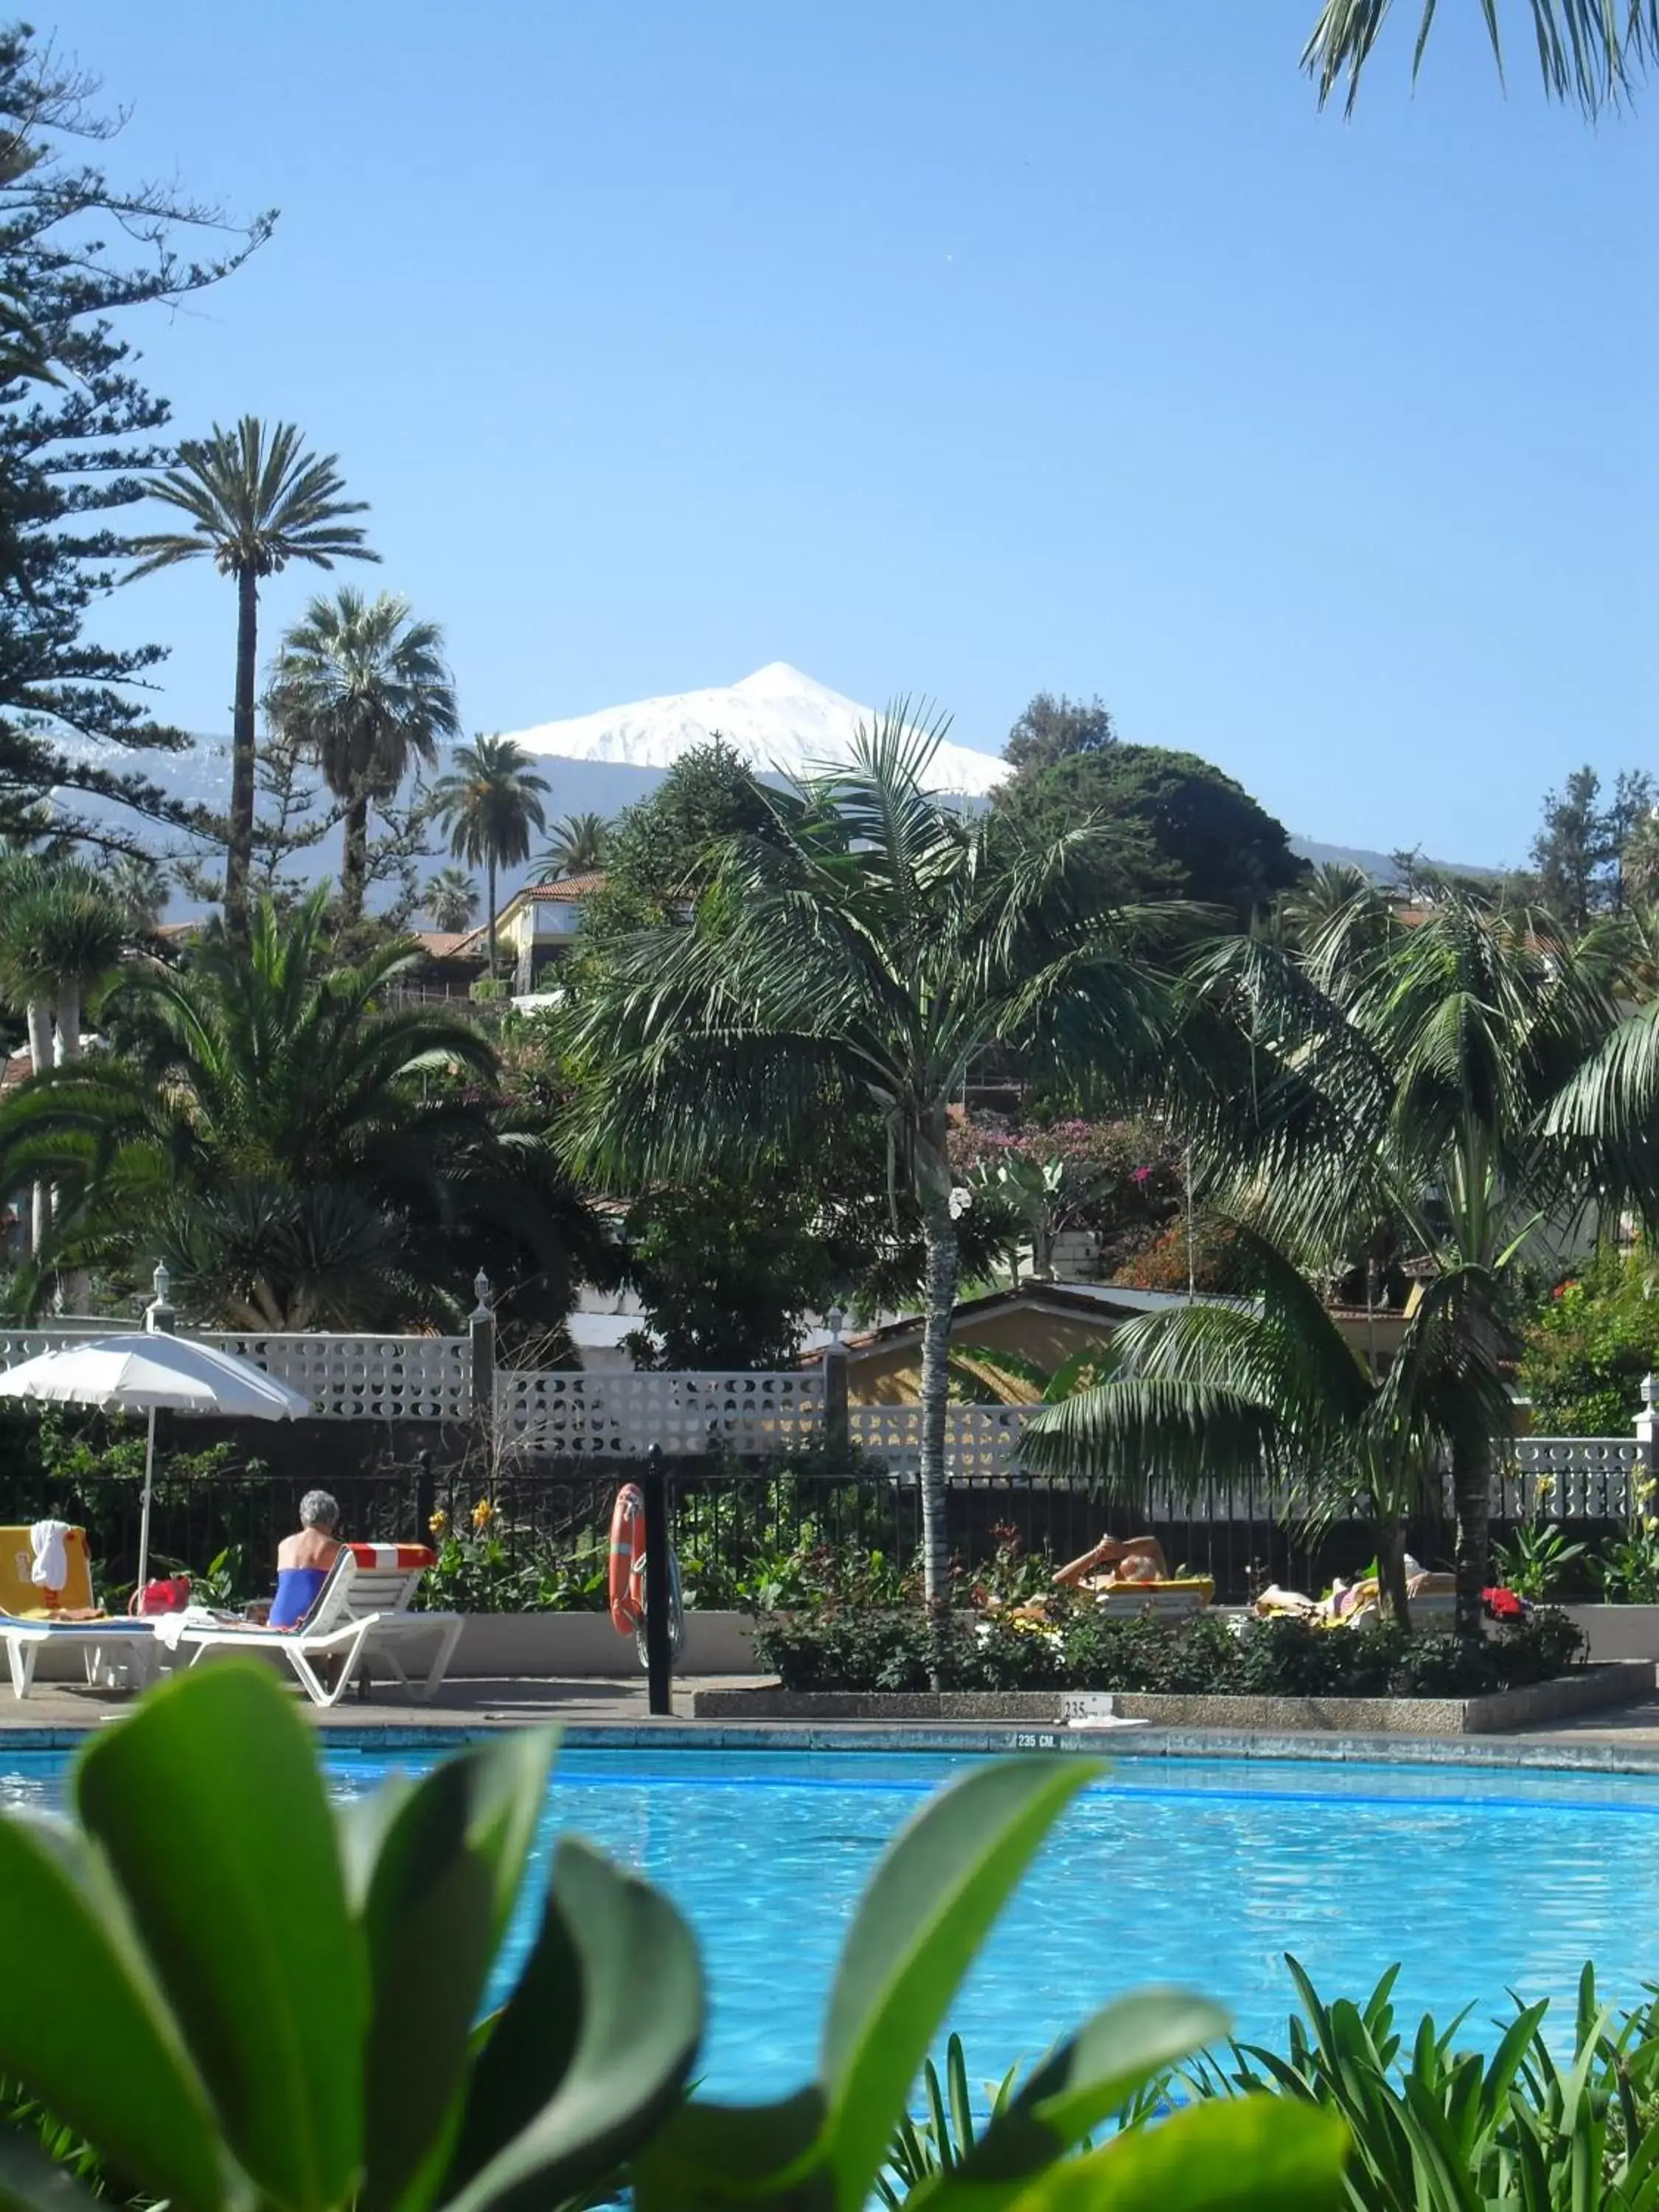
(361, 1618)
(132, 1642)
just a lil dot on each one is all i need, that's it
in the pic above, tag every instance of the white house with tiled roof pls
(537, 924)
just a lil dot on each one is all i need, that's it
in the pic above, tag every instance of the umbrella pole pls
(143, 1515)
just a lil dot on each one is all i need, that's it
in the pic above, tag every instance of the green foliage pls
(1588, 1346)
(727, 1270)
(1627, 1569)
(1180, 827)
(727, 1267)
(363, 688)
(1532, 2128)
(1122, 1180)
(1534, 1563)
(81, 257)
(289, 2005)
(581, 845)
(658, 853)
(1587, 49)
(857, 960)
(1052, 730)
(485, 1564)
(490, 802)
(837, 1647)
(93, 1468)
(301, 1151)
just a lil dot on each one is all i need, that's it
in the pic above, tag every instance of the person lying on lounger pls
(1113, 1562)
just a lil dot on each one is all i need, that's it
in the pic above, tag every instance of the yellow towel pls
(21, 1596)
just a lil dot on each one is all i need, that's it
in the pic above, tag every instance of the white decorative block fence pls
(557, 1414)
(1576, 1478)
(981, 1443)
(365, 1378)
(347, 1378)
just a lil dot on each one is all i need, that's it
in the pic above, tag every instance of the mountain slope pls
(779, 720)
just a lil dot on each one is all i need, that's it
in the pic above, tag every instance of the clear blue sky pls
(952, 348)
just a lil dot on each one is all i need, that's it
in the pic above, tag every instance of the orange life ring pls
(627, 1559)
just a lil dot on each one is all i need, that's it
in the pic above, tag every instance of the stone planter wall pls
(1585, 1690)
(1619, 1631)
(551, 1644)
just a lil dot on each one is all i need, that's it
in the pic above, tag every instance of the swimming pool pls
(1202, 1871)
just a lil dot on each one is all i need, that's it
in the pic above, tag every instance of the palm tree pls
(490, 802)
(1326, 891)
(1420, 1080)
(990, 1375)
(1269, 1391)
(578, 849)
(285, 1139)
(62, 934)
(451, 899)
(858, 954)
(362, 689)
(1588, 49)
(254, 501)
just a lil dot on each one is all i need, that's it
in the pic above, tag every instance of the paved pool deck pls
(1622, 1739)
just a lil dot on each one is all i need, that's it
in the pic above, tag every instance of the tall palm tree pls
(1588, 49)
(363, 688)
(1419, 1081)
(451, 899)
(281, 1141)
(859, 954)
(490, 801)
(254, 501)
(578, 848)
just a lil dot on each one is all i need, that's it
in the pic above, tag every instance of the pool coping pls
(1602, 1756)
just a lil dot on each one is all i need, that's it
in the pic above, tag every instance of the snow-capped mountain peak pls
(779, 720)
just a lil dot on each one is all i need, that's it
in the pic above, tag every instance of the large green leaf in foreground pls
(241, 1999)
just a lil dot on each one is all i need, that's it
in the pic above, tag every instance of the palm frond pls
(1589, 51)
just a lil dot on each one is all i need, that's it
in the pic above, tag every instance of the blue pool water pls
(1203, 1872)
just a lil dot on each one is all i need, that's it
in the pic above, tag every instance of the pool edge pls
(852, 1737)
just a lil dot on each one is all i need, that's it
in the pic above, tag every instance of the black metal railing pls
(538, 1537)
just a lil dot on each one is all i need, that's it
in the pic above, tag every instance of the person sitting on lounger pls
(1113, 1562)
(304, 1558)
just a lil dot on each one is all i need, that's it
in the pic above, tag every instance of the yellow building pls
(1047, 1323)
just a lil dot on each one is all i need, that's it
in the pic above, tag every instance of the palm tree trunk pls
(1391, 1571)
(944, 1267)
(69, 1021)
(354, 861)
(1472, 1503)
(38, 1015)
(490, 872)
(238, 854)
(73, 1282)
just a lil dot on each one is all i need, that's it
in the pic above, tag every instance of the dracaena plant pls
(236, 1998)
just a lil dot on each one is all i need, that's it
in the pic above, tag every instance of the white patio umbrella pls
(145, 1370)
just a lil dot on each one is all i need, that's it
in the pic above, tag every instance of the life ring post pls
(659, 1650)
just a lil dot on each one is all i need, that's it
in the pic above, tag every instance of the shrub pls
(1588, 1346)
(855, 1648)
(1562, 2119)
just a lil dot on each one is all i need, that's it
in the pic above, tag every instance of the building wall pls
(891, 1375)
